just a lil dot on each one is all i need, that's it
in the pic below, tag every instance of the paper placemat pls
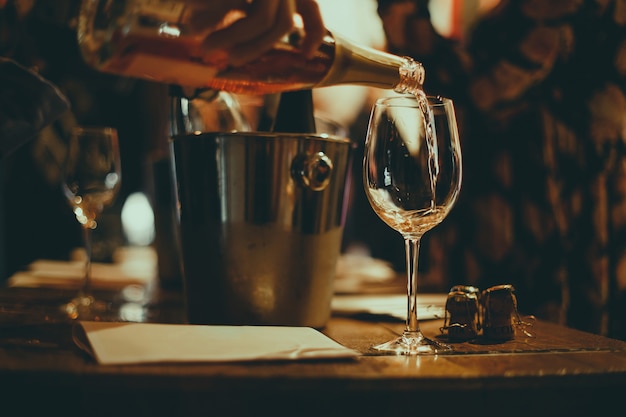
(135, 343)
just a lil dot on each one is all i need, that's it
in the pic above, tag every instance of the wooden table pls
(558, 372)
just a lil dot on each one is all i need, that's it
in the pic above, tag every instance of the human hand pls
(263, 23)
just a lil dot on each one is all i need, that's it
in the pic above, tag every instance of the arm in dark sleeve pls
(28, 103)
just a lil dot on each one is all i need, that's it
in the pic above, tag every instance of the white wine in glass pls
(412, 175)
(92, 175)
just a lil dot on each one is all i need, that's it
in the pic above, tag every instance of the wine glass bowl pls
(92, 175)
(412, 172)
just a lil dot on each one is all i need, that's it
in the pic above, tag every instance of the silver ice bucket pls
(261, 222)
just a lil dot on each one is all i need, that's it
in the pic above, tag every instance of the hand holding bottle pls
(257, 25)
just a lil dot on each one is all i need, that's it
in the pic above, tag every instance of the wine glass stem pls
(412, 246)
(86, 286)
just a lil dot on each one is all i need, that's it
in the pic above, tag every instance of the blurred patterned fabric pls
(539, 87)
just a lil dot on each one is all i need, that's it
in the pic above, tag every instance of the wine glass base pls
(85, 307)
(413, 343)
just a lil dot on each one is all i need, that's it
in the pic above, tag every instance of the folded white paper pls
(134, 343)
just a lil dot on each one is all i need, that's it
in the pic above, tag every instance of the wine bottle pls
(155, 40)
(295, 113)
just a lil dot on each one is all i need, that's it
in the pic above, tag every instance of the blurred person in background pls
(539, 87)
(38, 39)
(40, 36)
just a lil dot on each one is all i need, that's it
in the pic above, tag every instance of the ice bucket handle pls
(312, 171)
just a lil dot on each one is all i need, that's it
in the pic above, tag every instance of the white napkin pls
(133, 343)
(429, 306)
(133, 267)
(358, 271)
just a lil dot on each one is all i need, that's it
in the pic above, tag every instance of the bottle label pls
(166, 70)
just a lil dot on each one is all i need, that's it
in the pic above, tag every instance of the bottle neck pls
(355, 64)
(411, 74)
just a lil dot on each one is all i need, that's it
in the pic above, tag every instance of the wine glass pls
(412, 175)
(92, 175)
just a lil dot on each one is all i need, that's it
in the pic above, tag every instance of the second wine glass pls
(412, 175)
(92, 176)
